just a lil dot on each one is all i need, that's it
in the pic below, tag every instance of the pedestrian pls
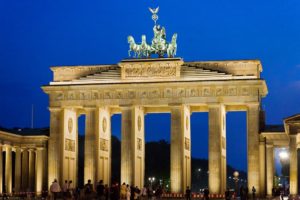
(70, 191)
(144, 193)
(123, 191)
(128, 192)
(132, 192)
(188, 193)
(253, 192)
(55, 189)
(100, 190)
(227, 194)
(206, 194)
(106, 192)
(88, 190)
(65, 189)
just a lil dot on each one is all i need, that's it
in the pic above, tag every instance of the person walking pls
(227, 194)
(88, 190)
(100, 190)
(206, 194)
(188, 193)
(55, 189)
(253, 192)
(65, 189)
(106, 192)
(123, 191)
(144, 193)
(128, 192)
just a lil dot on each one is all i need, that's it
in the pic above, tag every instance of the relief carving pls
(139, 144)
(187, 144)
(70, 145)
(103, 144)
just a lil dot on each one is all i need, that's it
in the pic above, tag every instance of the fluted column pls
(253, 144)
(217, 149)
(270, 168)
(39, 170)
(126, 146)
(180, 148)
(293, 165)
(133, 146)
(54, 145)
(25, 164)
(31, 169)
(68, 146)
(8, 169)
(103, 143)
(1, 168)
(18, 169)
(89, 145)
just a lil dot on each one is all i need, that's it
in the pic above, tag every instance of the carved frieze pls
(150, 71)
(152, 93)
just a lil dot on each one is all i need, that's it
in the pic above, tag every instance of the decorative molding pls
(152, 93)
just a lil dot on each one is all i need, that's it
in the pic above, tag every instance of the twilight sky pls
(35, 35)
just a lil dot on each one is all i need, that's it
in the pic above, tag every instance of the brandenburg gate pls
(135, 87)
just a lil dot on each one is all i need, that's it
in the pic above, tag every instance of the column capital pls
(40, 148)
(126, 106)
(253, 105)
(31, 149)
(175, 104)
(89, 108)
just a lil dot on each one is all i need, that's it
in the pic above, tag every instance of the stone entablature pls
(23, 141)
(178, 92)
(151, 68)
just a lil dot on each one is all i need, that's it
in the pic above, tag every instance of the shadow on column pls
(3, 171)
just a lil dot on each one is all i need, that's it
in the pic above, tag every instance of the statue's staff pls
(154, 12)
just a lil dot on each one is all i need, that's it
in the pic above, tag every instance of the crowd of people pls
(103, 192)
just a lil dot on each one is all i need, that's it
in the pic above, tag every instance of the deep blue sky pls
(35, 35)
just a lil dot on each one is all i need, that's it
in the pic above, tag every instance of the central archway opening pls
(157, 155)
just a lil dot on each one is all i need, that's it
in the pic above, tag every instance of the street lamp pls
(236, 179)
(151, 179)
(283, 154)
